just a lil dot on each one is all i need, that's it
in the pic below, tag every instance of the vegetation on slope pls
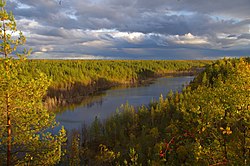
(73, 80)
(118, 71)
(206, 124)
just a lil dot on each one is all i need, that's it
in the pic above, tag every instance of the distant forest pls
(63, 72)
(73, 80)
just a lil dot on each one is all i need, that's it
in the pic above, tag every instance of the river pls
(107, 102)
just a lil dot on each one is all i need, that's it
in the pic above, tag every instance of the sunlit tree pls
(24, 121)
(217, 113)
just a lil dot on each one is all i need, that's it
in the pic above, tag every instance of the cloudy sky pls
(134, 29)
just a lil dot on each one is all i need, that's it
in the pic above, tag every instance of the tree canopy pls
(205, 124)
(24, 122)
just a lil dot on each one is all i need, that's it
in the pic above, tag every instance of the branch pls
(220, 163)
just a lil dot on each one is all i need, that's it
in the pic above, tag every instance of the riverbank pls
(175, 129)
(72, 81)
(106, 103)
(76, 93)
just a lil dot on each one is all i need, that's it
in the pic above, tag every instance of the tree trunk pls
(7, 100)
(8, 130)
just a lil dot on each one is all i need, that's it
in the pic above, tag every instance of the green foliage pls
(75, 150)
(74, 79)
(133, 157)
(106, 156)
(65, 73)
(220, 112)
(24, 120)
(206, 124)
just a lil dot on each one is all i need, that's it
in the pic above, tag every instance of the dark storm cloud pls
(178, 29)
(227, 8)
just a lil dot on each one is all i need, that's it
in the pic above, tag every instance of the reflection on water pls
(98, 102)
(105, 104)
(88, 102)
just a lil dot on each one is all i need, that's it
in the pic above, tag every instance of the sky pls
(134, 29)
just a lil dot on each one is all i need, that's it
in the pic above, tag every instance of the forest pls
(205, 124)
(74, 80)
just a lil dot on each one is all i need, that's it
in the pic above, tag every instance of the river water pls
(105, 104)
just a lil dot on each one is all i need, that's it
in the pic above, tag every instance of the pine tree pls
(24, 120)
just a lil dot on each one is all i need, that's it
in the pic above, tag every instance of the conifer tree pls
(24, 121)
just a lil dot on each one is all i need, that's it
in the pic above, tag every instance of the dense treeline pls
(119, 71)
(73, 80)
(208, 123)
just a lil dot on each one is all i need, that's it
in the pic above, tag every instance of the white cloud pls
(134, 37)
(97, 43)
(105, 28)
(28, 23)
(46, 48)
(131, 37)
(188, 39)
(28, 26)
